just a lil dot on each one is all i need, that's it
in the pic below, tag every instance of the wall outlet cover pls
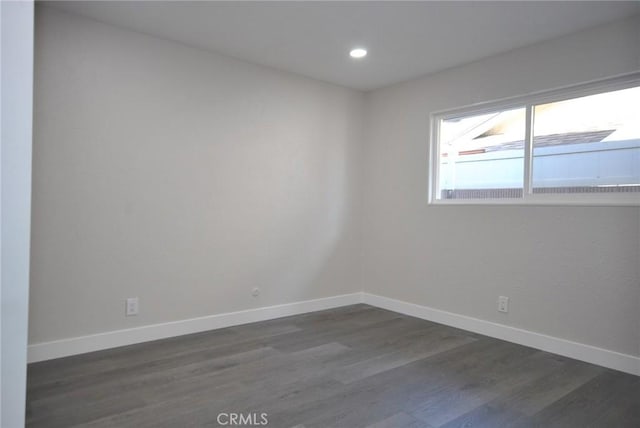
(503, 304)
(131, 307)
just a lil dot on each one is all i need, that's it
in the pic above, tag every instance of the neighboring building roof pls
(549, 140)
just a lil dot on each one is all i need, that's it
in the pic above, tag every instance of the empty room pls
(320, 214)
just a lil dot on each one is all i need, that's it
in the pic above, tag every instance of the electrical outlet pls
(131, 307)
(255, 292)
(503, 304)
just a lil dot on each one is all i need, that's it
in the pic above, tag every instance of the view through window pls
(588, 144)
(582, 145)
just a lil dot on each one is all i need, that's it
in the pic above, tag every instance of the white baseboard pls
(579, 351)
(95, 342)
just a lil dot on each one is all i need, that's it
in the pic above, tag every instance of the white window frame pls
(528, 102)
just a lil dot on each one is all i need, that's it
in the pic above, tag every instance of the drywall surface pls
(16, 24)
(185, 179)
(570, 272)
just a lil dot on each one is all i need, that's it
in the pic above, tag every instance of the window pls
(578, 145)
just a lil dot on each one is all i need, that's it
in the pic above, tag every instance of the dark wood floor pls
(351, 367)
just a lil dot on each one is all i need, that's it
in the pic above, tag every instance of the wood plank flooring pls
(351, 367)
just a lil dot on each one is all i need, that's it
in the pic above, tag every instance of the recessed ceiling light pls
(358, 53)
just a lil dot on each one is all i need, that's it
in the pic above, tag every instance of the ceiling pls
(404, 39)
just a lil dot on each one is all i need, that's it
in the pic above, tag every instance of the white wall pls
(16, 23)
(571, 272)
(183, 178)
(187, 178)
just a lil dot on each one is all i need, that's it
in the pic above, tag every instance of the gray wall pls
(183, 178)
(571, 272)
(16, 24)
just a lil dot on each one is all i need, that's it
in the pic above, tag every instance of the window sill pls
(532, 201)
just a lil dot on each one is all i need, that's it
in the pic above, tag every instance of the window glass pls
(588, 145)
(482, 156)
(584, 149)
